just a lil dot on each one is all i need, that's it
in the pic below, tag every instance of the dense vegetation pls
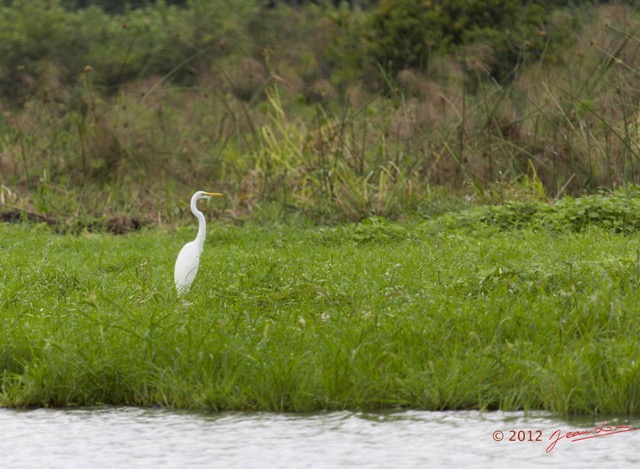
(332, 113)
(474, 123)
(517, 307)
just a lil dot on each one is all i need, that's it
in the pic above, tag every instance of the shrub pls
(403, 34)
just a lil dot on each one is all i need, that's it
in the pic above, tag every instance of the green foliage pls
(407, 33)
(347, 50)
(117, 6)
(365, 316)
(32, 36)
(617, 212)
(528, 304)
(45, 48)
(212, 95)
(404, 33)
(370, 230)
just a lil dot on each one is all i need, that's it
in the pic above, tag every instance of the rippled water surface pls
(155, 438)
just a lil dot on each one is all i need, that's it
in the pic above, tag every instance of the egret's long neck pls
(202, 224)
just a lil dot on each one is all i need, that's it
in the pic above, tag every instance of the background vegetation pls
(112, 114)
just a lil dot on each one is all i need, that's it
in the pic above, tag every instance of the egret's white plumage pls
(189, 258)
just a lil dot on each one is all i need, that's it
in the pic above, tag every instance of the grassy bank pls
(470, 310)
(525, 304)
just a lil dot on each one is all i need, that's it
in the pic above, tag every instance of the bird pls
(189, 258)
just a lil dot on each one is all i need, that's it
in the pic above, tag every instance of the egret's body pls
(189, 258)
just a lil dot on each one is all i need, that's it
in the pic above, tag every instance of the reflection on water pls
(156, 438)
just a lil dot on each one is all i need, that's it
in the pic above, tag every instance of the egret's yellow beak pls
(213, 194)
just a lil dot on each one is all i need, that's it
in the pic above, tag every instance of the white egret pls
(189, 258)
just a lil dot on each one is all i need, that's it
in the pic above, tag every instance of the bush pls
(45, 48)
(406, 33)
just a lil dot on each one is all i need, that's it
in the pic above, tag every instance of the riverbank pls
(465, 311)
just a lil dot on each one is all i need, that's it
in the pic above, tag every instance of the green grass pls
(434, 315)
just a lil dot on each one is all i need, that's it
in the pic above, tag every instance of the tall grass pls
(277, 130)
(454, 313)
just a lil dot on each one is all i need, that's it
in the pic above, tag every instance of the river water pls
(117, 437)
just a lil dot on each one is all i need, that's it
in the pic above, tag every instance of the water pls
(156, 438)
